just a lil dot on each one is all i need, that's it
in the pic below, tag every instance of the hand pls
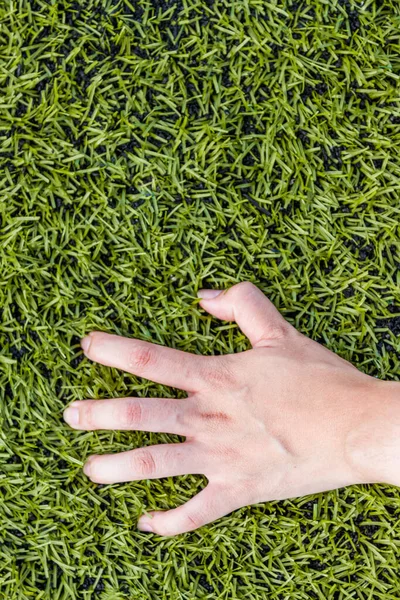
(286, 418)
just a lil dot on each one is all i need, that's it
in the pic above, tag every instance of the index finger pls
(158, 363)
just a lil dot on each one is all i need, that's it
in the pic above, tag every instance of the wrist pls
(373, 442)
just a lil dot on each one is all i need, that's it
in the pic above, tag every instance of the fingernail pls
(85, 343)
(145, 526)
(86, 468)
(71, 416)
(208, 294)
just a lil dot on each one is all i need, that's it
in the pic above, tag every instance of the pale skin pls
(284, 419)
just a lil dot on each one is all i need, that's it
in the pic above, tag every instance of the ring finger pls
(152, 462)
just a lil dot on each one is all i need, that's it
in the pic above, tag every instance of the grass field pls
(147, 149)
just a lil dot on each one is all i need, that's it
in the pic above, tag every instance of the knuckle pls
(217, 416)
(193, 521)
(246, 286)
(279, 329)
(202, 417)
(133, 414)
(245, 290)
(184, 417)
(141, 357)
(214, 421)
(143, 463)
(277, 333)
(189, 411)
(219, 372)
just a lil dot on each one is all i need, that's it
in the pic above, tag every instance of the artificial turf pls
(148, 149)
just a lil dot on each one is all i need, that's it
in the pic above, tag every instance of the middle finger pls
(160, 415)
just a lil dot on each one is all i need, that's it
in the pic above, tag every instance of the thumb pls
(244, 303)
(210, 504)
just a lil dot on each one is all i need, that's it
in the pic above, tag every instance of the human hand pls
(284, 419)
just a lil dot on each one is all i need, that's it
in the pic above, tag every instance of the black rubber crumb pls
(124, 588)
(204, 583)
(100, 587)
(46, 372)
(17, 533)
(75, 362)
(302, 135)
(88, 582)
(18, 353)
(367, 252)
(393, 324)
(348, 292)
(14, 459)
(321, 88)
